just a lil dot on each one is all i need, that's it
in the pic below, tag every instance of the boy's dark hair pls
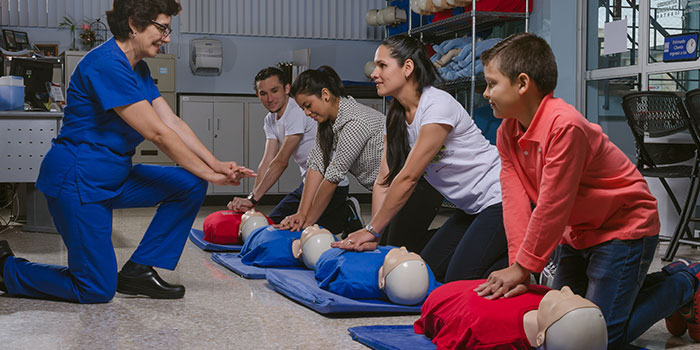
(268, 72)
(525, 53)
(141, 12)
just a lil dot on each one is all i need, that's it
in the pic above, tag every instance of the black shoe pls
(136, 279)
(354, 219)
(5, 252)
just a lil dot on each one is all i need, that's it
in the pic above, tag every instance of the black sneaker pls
(354, 220)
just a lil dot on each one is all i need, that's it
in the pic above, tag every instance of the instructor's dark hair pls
(403, 48)
(312, 82)
(141, 12)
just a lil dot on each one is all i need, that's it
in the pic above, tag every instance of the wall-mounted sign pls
(681, 47)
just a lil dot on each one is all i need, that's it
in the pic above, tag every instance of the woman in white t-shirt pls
(430, 135)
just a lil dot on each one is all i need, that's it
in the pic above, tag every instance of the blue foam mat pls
(301, 286)
(391, 338)
(197, 237)
(233, 262)
(403, 337)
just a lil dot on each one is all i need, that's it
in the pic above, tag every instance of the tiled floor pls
(220, 310)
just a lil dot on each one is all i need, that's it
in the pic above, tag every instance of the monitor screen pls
(36, 74)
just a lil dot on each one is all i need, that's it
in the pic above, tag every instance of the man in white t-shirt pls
(289, 132)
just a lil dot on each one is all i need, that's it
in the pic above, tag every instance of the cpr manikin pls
(313, 242)
(566, 321)
(251, 220)
(404, 277)
(455, 317)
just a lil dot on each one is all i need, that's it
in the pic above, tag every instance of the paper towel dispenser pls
(206, 56)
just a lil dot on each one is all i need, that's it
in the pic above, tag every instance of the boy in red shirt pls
(586, 194)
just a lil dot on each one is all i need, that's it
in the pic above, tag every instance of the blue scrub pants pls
(613, 275)
(86, 229)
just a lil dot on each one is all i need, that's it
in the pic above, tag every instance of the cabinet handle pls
(208, 124)
(218, 123)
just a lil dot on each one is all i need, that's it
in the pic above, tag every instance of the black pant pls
(333, 218)
(468, 246)
(409, 227)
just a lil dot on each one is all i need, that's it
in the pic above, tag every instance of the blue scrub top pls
(94, 141)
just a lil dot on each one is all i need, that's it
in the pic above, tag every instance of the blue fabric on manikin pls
(94, 140)
(355, 274)
(268, 246)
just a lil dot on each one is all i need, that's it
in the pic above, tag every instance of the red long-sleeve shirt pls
(584, 189)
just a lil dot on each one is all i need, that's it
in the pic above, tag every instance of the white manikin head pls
(566, 321)
(313, 242)
(404, 277)
(251, 220)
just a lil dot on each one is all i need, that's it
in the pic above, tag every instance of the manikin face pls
(272, 94)
(319, 109)
(394, 258)
(388, 75)
(503, 94)
(147, 43)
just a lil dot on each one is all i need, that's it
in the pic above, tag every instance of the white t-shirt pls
(466, 170)
(293, 122)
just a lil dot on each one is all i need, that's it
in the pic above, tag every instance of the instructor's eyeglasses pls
(164, 30)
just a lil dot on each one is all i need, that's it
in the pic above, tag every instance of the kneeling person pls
(289, 133)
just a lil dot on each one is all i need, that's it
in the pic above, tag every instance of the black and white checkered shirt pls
(358, 140)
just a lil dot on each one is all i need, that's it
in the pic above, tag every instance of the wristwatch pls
(251, 198)
(371, 230)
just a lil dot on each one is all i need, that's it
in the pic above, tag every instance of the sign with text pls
(681, 47)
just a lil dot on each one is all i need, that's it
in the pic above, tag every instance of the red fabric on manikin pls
(221, 227)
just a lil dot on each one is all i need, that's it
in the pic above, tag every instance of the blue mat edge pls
(195, 235)
(327, 308)
(251, 276)
(354, 334)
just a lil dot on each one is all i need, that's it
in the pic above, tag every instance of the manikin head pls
(404, 277)
(566, 321)
(313, 242)
(251, 220)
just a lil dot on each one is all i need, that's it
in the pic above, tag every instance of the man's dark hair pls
(525, 53)
(141, 12)
(268, 72)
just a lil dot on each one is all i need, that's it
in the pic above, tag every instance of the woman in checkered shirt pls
(350, 138)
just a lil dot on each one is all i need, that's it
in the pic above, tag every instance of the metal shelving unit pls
(457, 25)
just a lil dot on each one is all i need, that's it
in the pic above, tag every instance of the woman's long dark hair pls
(402, 48)
(311, 82)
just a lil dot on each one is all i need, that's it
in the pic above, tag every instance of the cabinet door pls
(256, 139)
(199, 116)
(229, 139)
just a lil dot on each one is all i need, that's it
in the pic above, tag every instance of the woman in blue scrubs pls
(113, 104)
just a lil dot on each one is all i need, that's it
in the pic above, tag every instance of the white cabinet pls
(220, 123)
(232, 129)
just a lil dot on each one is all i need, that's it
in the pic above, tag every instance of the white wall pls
(243, 57)
(560, 32)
